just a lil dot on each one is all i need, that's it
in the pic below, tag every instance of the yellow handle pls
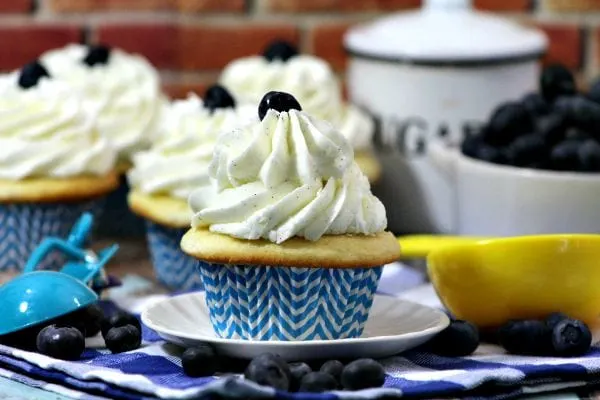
(418, 246)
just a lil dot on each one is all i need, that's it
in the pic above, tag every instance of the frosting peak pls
(289, 175)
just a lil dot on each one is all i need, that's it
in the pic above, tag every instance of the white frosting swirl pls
(178, 162)
(307, 78)
(125, 93)
(290, 175)
(45, 131)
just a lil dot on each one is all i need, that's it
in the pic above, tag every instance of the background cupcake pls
(164, 176)
(53, 164)
(124, 91)
(314, 84)
(290, 239)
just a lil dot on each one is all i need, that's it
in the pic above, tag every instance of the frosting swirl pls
(290, 175)
(124, 92)
(45, 131)
(178, 161)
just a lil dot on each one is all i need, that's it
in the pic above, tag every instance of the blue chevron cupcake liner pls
(288, 304)
(117, 219)
(24, 226)
(173, 268)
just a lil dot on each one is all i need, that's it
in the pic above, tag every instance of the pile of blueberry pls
(555, 129)
(64, 337)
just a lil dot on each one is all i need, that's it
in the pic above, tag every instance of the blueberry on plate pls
(552, 128)
(526, 337)
(88, 320)
(217, 96)
(97, 55)
(553, 319)
(120, 318)
(333, 368)
(571, 338)
(269, 370)
(62, 342)
(496, 155)
(318, 382)
(535, 104)
(460, 338)
(565, 156)
(594, 92)
(364, 373)
(200, 360)
(556, 81)
(470, 145)
(280, 50)
(507, 122)
(123, 338)
(31, 73)
(526, 150)
(580, 112)
(297, 372)
(278, 101)
(589, 156)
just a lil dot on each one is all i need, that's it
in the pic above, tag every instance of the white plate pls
(394, 326)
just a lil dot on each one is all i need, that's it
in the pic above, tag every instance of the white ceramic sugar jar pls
(434, 74)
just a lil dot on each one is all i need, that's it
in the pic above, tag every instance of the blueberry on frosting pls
(278, 101)
(31, 73)
(280, 50)
(97, 55)
(217, 96)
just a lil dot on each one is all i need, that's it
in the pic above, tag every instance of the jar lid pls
(446, 32)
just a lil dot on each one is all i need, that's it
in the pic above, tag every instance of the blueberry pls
(460, 338)
(317, 382)
(217, 96)
(496, 155)
(594, 92)
(526, 150)
(280, 50)
(470, 145)
(97, 55)
(364, 373)
(269, 370)
(589, 156)
(580, 112)
(552, 128)
(333, 368)
(120, 318)
(200, 360)
(62, 342)
(31, 73)
(553, 319)
(565, 156)
(278, 101)
(527, 337)
(297, 372)
(123, 338)
(571, 338)
(556, 81)
(535, 104)
(577, 135)
(88, 320)
(507, 122)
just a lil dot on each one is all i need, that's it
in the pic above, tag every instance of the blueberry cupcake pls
(53, 165)
(163, 177)
(123, 90)
(312, 81)
(290, 239)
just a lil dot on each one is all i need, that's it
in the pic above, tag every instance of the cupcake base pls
(288, 304)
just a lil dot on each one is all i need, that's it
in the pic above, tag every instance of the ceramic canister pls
(434, 74)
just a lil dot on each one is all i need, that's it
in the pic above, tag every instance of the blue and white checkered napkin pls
(154, 371)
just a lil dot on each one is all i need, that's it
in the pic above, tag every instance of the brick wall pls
(190, 40)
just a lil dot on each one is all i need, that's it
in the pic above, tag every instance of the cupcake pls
(314, 84)
(124, 91)
(290, 239)
(163, 177)
(53, 165)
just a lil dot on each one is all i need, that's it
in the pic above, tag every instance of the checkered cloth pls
(155, 371)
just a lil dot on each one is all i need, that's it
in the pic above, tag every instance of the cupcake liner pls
(117, 220)
(172, 266)
(283, 303)
(24, 226)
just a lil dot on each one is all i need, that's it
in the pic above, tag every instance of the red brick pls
(566, 46)
(211, 5)
(212, 47)
(158, 42)
(158, 5)
(15, 6)
(22, 44)
(326, 41)
(503, 5)
(571, 5)
(341, 5)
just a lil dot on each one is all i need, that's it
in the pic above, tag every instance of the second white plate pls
(394, 326)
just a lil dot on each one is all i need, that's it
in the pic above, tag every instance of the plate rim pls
(443, 322)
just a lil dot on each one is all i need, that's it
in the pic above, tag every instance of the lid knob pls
(447, 4)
